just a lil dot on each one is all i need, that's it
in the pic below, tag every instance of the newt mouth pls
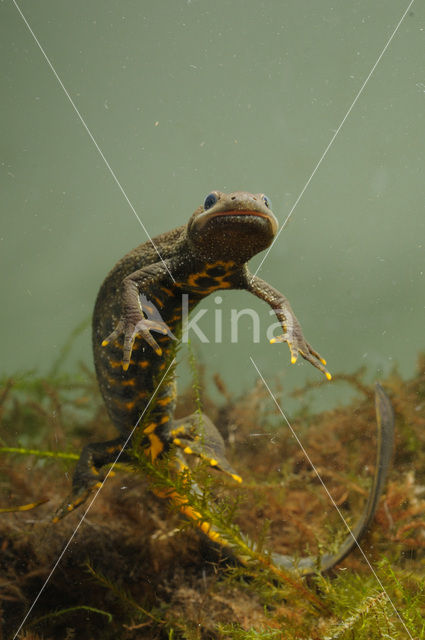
(206, 216)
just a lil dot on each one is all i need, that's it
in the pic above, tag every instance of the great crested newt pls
(146, 292)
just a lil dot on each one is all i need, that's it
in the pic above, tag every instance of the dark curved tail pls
(385, 442)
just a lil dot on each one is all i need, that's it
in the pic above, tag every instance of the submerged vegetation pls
(136, 569)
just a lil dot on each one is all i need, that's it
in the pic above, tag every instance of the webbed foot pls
(133, 327)
(87, 477)
(74, 500)
(196, 435)
(299, 346)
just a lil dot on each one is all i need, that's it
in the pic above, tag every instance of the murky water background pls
(185, 97)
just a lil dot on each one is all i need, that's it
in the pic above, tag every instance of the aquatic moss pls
(135, 569)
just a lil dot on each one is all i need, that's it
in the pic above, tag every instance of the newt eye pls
(210, 200)
(267, 201)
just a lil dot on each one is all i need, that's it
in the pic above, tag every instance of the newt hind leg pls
(197, 435)
(87, 475)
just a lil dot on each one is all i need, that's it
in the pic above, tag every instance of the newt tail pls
(385, 443)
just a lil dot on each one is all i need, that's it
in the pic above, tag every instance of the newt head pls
(239, 224)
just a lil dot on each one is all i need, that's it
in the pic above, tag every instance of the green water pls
(183, 97)
(186, 97)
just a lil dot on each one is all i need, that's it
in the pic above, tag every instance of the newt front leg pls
(292, 332)
(134, 319)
